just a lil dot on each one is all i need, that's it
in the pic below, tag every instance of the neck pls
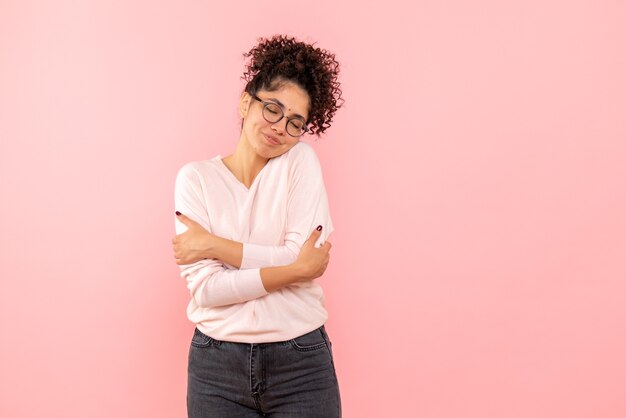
(245, 163)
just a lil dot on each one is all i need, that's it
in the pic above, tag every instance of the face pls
(268, 139)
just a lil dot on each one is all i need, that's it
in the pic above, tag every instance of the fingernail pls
(319, 228)
(177, 213)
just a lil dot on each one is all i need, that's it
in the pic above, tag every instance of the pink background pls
(477, 181)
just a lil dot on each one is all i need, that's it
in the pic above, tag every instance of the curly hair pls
(281, 58)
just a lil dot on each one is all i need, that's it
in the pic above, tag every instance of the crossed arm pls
(198, 244)
(207, 260)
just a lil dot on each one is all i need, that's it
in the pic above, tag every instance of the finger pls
(316, 233)
(185, 220)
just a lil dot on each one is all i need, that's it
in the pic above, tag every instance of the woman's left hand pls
(192, 245)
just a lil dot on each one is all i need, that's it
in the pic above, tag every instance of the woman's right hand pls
(310, 264)
(312, 261)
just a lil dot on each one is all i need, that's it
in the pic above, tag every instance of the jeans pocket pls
(313, 340)
(329, 343)
(201, 340)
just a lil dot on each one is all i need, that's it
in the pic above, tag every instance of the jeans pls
(294, 378)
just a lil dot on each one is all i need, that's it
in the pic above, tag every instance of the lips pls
(272, 140)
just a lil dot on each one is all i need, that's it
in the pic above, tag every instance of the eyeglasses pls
(273, 113)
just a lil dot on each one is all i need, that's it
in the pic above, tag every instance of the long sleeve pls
(209, 281)
(307, 207)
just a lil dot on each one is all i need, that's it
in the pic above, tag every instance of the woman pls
(251, 229)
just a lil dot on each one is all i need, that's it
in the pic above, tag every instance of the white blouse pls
(273, 219)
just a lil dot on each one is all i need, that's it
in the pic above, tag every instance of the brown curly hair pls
(281, 58)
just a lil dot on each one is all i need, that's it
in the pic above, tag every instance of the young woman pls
(251, 241)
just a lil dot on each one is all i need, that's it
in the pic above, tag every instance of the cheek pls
(252, 124)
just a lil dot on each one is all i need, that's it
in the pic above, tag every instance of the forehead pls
(293, 98)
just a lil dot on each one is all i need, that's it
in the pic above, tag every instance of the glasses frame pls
(305, 128)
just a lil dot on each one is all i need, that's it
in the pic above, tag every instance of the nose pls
(280, 126)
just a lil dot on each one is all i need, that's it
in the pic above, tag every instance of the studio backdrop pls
(476, 178)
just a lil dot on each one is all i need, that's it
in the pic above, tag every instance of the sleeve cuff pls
(250, 284)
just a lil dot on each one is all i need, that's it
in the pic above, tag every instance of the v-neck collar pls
(232, 176)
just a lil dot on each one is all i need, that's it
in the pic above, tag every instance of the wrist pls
(210, 248)
(299, 271)
(223, 249)
(275, 278)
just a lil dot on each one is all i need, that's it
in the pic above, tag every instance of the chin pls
(274, 153)
(265, 152)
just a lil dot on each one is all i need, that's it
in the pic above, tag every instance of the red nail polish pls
(319, 228)
(177, 213)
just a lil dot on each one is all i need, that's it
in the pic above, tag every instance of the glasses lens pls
(295, 127)
(272, 112)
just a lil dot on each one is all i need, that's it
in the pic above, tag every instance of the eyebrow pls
(278, 102)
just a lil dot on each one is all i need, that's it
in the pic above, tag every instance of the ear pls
(244, 104)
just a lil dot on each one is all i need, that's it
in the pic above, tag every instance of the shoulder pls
(197, 169)
(195, 176)
(303, 164)
(302, 149)
(303, 154)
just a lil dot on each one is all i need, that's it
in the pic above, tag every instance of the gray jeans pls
(294, 378)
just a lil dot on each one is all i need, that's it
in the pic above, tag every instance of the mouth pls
(272, 140)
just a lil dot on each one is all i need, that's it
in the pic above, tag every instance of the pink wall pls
(477, 179)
